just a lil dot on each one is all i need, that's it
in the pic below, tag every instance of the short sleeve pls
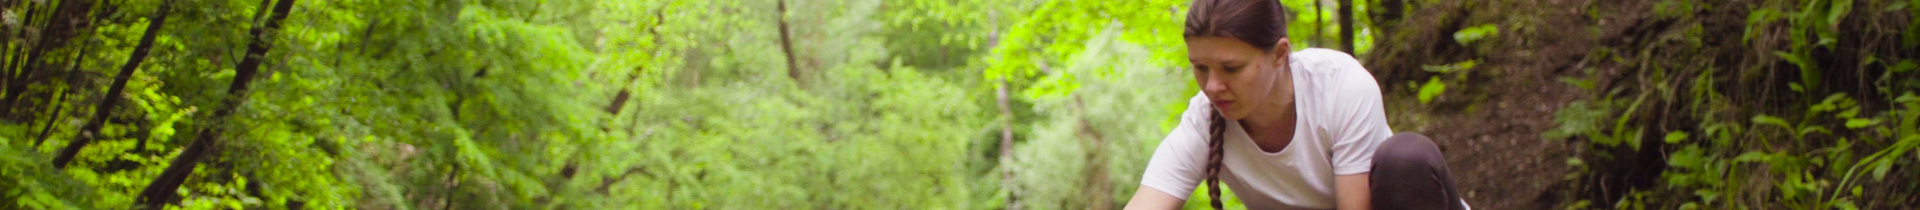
(1358, 118)
(1178, 164)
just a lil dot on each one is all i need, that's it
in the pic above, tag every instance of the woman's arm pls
(1360, 125)
(1350, 192)
(1177, 165)
(1149, 198)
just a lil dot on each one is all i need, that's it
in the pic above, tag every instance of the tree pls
(786, 40)
(69, 19)
(112, 97)
(1346, 25)
(161, 190)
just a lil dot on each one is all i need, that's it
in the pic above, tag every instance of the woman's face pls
(1240, 79)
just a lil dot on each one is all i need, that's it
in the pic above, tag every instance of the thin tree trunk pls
(1389, 16)
(17, 83)
(1319, 24)
(112, 98)
(1346, 25)
(1006, 141)
(19, 52)
(786, 41)
(16, 52)
(446, 199)
(58, 101)
(161, 191)
(1006, 117)
(1101, 191)
(67, 19)
(17, 67)
(620, 99)
(47, 129)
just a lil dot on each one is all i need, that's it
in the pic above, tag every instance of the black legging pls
(1409, 173)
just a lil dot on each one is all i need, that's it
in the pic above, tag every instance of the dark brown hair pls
(1261, 23)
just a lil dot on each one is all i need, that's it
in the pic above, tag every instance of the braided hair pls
(1261, 23)
(1215, 148)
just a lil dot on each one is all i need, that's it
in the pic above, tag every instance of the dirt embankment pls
(1490, 123)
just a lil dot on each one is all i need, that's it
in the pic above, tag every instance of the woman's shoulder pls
(1322, 61)
(1336, 85)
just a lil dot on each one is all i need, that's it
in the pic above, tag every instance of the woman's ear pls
(1280, 51)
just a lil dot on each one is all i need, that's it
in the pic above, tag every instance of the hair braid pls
(1215, 150)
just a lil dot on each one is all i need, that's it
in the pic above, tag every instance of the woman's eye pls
(1235, 69)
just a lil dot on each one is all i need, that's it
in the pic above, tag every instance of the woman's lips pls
(1222, 104)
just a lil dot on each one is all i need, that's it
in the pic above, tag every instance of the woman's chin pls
(1233, 114)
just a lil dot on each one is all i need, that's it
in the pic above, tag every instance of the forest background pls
(918, 104)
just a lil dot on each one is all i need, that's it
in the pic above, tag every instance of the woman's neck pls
(1273, 123)
(1271, 133)
(1281, 120)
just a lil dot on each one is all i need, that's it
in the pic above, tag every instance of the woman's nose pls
(1214, 84)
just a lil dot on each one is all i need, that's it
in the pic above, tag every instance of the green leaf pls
(1839, 10)
(1880, 168)
(1450, 68)
(1754, 156)
(1811, 129)
(1903, 66)
(1771, 120)
(1676, 136)
(1475, 33)
(1861, 123)
(1631, 136)
(1829, 104)
(1791, 58)
(1432, 89)
(1583, 84)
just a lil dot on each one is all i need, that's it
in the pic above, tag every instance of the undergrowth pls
(1812, 106)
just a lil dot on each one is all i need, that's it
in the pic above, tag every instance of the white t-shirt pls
(1341, 121)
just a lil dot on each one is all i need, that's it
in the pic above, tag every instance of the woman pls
(1286, 130)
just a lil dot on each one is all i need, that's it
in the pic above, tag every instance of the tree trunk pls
(1006, 140)
(16, 55)
(620, 99)
(161, 191)
(112, 98)
(1388, 15)
(1346, 25)
(58, 101)
(786, 41)
(446, 198)
(1319, 24)
(48, 129)
(68, 18)
(1101, 196)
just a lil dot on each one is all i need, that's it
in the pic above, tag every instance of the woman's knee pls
(1409, 173)
(1408, 149)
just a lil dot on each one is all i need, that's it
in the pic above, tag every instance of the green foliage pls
(1097, 131)
(1431, 89)
(1434, 86)
(35, 184)
(1475, 33)
(686, 104)
(1816, 151)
